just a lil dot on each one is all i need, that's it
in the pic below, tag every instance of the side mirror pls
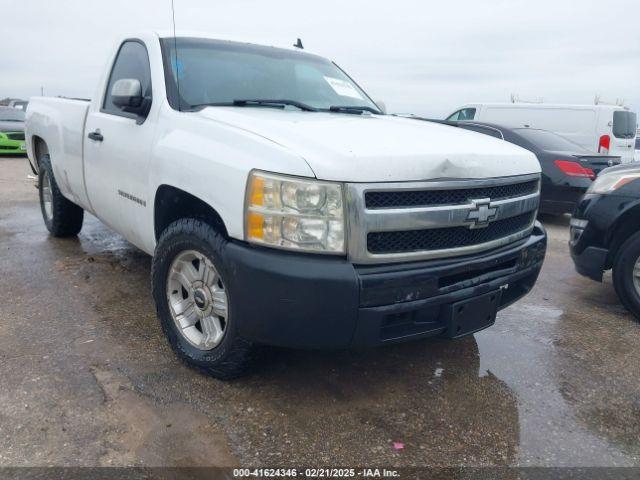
(126, 94)
(382, 106)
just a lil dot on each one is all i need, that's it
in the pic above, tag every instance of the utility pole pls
(42, 91)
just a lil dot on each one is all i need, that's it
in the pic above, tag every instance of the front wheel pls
(62, 217)
(193, 299)
(626, 274)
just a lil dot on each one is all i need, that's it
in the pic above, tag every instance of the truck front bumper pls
(311, 301)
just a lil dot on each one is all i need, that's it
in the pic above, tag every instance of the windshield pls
(11, 115)
(546, 140)
(221, 72)
(624, 124)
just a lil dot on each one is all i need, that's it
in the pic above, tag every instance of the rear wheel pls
(626, 274)
(193, 299)
(62, 217)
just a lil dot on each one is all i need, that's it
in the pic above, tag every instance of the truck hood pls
(377, 148)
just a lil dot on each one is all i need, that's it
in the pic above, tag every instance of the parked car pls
(605, 232)
(567, 168)
(6, 102)
(12, 131)
(281, 206)
(637, 157)
(19, 104)
(606, 129)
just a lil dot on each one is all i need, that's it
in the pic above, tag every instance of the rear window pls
(624, 124)
(546, 140)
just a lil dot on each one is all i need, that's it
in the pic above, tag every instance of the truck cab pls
(281, 205)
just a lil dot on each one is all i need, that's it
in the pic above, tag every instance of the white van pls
(607, 129)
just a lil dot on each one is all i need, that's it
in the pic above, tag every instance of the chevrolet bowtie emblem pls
(481, 213)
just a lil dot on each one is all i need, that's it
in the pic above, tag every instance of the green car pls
(12, 131)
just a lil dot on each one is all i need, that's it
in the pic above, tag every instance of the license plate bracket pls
(473, 314)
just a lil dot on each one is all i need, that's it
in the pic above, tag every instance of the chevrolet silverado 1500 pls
(281, 205)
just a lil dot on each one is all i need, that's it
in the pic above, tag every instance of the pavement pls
(87, 379)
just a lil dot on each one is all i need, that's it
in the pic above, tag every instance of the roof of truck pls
(235, 38)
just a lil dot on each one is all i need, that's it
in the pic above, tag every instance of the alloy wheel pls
(198, 300)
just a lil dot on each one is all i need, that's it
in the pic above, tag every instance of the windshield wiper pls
(357, 109)
(275, 102)
(278, 103)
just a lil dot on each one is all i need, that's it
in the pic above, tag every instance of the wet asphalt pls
(86, 377)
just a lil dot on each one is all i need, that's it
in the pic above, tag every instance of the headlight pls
(295, 214)
(609, 182)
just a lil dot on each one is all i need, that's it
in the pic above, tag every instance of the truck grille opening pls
(15, 136)
(445, 238)
(424, 198)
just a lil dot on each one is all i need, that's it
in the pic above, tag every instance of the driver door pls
(117, 148)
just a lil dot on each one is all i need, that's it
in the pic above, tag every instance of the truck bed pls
(60, 123)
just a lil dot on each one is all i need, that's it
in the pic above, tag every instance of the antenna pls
(298, 44)
(175, 48)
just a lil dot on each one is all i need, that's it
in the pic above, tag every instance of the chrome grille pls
(439, 238)
(405, 221)
(424, 198)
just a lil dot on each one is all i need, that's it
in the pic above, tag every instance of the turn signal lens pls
(255, 225)
(257, 191)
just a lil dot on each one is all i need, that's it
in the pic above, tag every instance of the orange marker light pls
(255, 226)
(257, 191)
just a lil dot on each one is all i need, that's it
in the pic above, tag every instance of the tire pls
(184, 239)
(626, 285)
(62, 217)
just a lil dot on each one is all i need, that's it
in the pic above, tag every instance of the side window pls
(454, 116)
(467, 114)
(464, 114)
(132, 61)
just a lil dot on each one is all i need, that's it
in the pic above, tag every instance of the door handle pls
(96, 136)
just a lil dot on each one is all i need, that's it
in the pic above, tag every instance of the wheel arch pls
(172, 203)
(625, 226)
(40, 148)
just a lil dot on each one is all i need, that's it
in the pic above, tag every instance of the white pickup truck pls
(281, 205)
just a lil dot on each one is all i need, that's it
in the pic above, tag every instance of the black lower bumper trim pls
(426, 318)
(311, 301)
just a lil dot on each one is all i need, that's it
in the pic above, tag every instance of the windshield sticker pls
(343, 88)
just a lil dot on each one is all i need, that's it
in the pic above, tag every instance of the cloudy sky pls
(426, 57)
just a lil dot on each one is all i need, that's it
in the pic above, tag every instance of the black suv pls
(605, 232)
